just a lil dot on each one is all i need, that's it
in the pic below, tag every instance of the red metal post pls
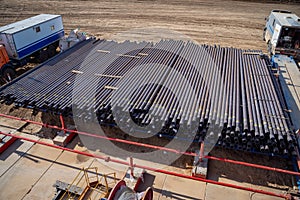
(7, 144)
(62, 123)
(201, 151)
(131, 167)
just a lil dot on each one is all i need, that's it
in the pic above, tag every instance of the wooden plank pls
(109, 76)
(103, 51)
(110, 87)
(129, 56)
(143, 54)
(251, 53)
(77, 72)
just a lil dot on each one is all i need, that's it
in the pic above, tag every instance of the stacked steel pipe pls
(174, 86)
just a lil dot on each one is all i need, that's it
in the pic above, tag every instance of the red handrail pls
(154, 147)
(285, 196)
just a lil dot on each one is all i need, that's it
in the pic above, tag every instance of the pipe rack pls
(243, 100)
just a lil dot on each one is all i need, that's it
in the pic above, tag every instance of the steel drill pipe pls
(241, 99)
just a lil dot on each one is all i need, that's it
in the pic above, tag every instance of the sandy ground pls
(227, 23)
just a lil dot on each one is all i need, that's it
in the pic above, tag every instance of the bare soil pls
(227, 23)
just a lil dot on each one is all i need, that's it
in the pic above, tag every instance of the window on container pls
(38, 29)
(52, 28)
(273, 22)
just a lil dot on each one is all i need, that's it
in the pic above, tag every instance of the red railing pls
(154, 147)
(108, 159)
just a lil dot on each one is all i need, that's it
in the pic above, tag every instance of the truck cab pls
(4, 59)
(34, 38)
(282, 33)
(7, 72)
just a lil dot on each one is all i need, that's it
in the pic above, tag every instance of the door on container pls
(275, 37)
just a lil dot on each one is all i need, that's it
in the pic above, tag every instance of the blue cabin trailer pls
(24, 38)
(282, 33)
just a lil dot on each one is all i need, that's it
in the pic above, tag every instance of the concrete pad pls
(216, 192)
(65, 169)
(11, 155)
(249, 185)
(109, 167)
(7, 125)
(182, 189)
(33, 175)
(21, 177)
(159, 181)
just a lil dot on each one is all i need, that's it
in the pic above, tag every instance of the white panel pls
(277, 30)
(8, 41)
(30, 36)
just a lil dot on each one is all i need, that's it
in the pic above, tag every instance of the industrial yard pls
(37, 105)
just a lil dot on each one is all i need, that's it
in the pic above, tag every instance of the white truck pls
(282, 33)
(36, 37)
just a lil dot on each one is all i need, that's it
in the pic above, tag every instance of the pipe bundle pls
(175, 88)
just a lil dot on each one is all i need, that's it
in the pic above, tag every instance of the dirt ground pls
(227, 23)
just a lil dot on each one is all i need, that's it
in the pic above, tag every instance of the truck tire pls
(51, 50)
(43, 56)
(8, 74)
